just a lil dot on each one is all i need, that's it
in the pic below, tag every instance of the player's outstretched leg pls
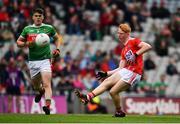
(83, 98)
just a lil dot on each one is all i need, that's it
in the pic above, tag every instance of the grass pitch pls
(86, 118)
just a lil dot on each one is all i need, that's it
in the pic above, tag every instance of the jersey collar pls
(127, 40)
(38, 26)
(130, 38)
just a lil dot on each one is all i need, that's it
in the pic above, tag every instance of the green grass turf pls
(86, 118)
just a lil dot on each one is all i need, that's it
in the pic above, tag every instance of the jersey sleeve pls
(53, 31)
(24, 33)
(137, 42)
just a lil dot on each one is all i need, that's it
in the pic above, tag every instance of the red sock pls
(48, 103)
(90, 95)
(118, 109)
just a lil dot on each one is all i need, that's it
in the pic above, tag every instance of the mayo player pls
(40, 56)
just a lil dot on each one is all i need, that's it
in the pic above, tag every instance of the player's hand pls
(101, 75)
(30, 43)
(56, 53)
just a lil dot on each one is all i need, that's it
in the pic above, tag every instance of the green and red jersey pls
(38, 52)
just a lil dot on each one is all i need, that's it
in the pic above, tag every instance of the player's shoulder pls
(47, 25)
(28, 27)
(133, 40)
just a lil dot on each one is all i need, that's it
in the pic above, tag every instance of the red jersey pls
(129, 49)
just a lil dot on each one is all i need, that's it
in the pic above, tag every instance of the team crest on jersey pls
(128, 55)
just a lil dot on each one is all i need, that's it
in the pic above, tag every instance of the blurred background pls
(90, 44)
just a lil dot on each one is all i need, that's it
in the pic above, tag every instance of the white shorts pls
(129, 76)
(36, 67)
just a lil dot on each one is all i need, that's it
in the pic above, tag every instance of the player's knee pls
(112, 93)
(46, 85)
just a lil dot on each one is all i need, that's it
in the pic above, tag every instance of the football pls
(42, 39)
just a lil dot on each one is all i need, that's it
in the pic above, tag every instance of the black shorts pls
(13, 90)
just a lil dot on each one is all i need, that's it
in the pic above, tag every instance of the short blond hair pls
(125, 27)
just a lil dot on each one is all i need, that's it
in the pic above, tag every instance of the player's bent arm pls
(21, 42)
(144, 47)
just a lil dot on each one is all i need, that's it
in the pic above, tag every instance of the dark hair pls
(38, 10)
